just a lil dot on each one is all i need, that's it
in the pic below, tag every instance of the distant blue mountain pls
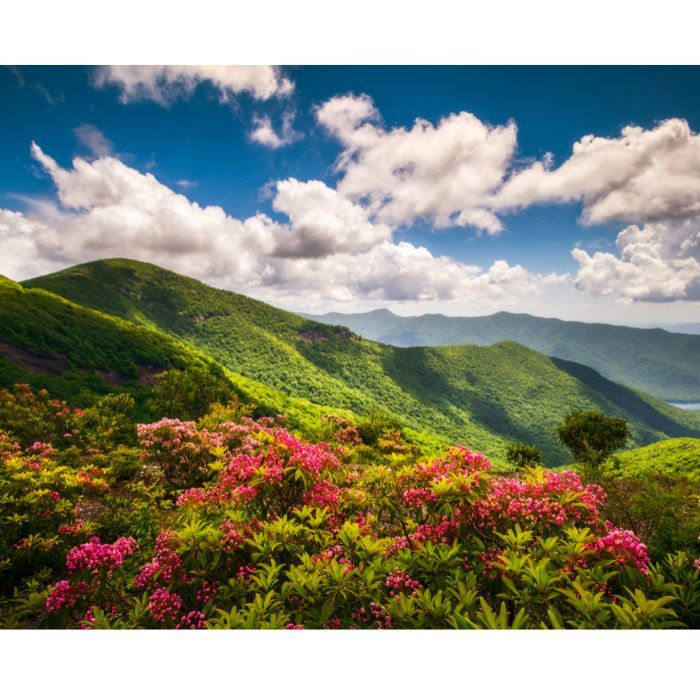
(654, 360)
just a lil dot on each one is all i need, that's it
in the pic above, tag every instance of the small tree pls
(522, 455)
(188, 394)
(592, 437)
(375, 425)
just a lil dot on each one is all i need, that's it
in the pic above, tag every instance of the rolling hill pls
(79, 354)
(480, 396)
(674, 456)
(664, 364)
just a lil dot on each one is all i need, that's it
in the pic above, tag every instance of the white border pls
(357, 32)
(409, 664)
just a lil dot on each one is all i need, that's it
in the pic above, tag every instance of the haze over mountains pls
(111, 325)
(656, 361)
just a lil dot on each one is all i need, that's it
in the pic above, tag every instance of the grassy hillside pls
(676, 456)
(76, 352)
(481, 396)
(79, 354)
(664, 364)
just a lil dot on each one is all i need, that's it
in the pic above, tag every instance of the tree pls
(522, 455)
(187, 394)
(592, 437)
(375, 425)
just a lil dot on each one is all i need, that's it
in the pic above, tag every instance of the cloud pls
(647, 177)
(324, 246)
(165, 84)
(460, 172)
(185, 184)
(94, 140)
(107, 209)
(444, 173)
(401, 272)
(641, 176)
(658, 262)
(265, 134)
(323, 222)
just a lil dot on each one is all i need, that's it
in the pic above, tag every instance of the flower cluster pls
(178, 448)
(165, 566)
(342, 430)
(376, 615)
(96, 556)
(400, 582)
(625, 547)
(273, 471)
(90, 565)
(8, 447)
(165, 606)
(544, 498)
(66, 594)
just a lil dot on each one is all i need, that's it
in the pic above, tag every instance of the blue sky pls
(197, 142)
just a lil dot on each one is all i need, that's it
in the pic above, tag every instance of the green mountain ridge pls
(79, 354)
(656, 361)
(479, 396)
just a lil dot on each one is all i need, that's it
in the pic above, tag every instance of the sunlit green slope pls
(481, 396)
(664, 364)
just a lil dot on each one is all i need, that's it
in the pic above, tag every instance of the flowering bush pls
(260, 528)
(177, 448)
(35, 417)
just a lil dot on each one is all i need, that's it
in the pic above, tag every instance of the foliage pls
(188, 393)
(282, 532)
(523, 455)
(676, 457)
(592, 437)
(481, 395)
(376, 425)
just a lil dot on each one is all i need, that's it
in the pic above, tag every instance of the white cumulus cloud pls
(324, 246)
(641, 176)
(656, 262)
(264, 133)
(444, 173)
(165, 84)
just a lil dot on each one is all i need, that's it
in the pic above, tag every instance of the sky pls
(571, 192)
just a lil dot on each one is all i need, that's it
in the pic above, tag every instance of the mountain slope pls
(663, 364)
(48, 341)
(79, 354)
(482, 396)
(675, 456)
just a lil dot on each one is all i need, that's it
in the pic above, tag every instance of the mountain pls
(79, 354)
(480, 396)
(664, 364)
(691, 328)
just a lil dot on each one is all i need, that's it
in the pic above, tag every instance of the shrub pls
(35, 417)
(664, 509)
(178, 449)
(189, 393)
(592, 437)
(375, 425)
(252, 526)
(289, 536)
(523, 455)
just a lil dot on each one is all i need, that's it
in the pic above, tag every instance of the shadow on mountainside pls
(627, 399)
(410, 369)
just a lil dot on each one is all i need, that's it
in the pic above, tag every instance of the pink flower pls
(625, 547)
